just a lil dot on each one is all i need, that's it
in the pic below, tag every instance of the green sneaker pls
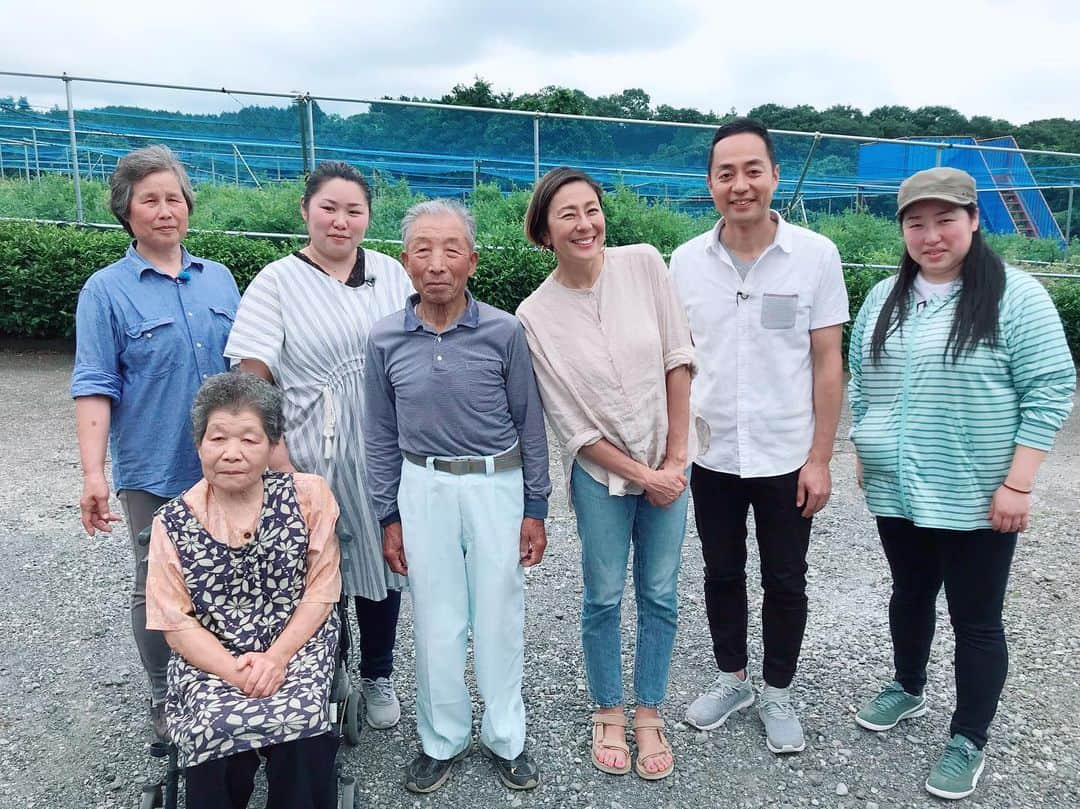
(957, 772)
(890, 707)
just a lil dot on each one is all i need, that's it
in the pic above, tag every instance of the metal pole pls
(1068, 218)
(236, 164)
(3, 176)
(536, 149)
(795, 194)
(475, 174)
(74, 152)
(213, 171)
(311, 131)
(37, 164)
(26, 161)
(937, 156)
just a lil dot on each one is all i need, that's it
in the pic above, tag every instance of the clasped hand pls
(259, 674)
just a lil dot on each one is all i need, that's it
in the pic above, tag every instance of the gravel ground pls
(72, 695)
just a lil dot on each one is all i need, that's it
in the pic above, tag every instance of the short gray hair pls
(438, 207)
(136, 166)
(235, 391)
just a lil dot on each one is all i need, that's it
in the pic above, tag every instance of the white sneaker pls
(382, 707)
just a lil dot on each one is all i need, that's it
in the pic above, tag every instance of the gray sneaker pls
(382, 707)
(783, 733)
(726, 695)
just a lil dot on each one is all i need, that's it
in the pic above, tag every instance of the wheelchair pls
(346, 716)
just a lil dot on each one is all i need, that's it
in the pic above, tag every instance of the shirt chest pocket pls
(485, 386)
(779, 311)
(152, 347)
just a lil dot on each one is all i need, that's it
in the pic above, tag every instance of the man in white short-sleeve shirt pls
(766, 303)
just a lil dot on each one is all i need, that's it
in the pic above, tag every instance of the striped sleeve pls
(1040, 362)
(258, 332)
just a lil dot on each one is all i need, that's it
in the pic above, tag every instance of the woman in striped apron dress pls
(303, 324)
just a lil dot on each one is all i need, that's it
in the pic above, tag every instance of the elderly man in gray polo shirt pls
(458, 467)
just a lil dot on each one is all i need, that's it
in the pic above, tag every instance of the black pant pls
(299, 775)
(721, 505)
(377, 621)
(974, 567)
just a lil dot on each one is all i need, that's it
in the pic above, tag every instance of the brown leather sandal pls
(599, 721)
(657, 724)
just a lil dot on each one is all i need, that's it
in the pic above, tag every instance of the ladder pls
(1019, 215)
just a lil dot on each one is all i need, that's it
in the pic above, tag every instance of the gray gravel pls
(72, 692)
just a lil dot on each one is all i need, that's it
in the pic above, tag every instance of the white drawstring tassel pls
(329, 422)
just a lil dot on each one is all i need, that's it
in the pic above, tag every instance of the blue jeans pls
(607, 526)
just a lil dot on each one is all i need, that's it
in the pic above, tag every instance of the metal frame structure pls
(306, 100)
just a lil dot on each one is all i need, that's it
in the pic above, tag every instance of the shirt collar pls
(782, 239)
(140, 265)
(470, 318)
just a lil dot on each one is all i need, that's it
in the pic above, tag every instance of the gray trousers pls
(139, 508)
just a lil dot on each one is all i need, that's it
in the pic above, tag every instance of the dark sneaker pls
(518, 773)
(890, 708)
(426, 774)
(157, 721)
(957, 772)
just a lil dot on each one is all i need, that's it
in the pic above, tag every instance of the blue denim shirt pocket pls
(222, 318)
(151, 348)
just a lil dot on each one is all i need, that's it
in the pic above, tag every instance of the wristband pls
(1014, 489)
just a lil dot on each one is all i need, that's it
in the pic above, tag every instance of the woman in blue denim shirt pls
(149, 329)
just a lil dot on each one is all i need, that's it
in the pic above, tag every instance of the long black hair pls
(982, 283)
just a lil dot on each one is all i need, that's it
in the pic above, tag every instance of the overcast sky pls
(1003, 58)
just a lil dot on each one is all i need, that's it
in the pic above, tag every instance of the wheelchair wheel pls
(348, 792)
(351, 725)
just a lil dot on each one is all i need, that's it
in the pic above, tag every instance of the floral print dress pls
(245, 596)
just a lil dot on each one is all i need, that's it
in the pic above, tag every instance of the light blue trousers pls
(461, 535)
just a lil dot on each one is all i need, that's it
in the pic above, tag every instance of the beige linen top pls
(601, 357)
(168, 603)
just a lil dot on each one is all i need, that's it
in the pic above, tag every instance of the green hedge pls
(43, 267)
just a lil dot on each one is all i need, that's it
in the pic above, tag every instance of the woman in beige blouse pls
(613, 358)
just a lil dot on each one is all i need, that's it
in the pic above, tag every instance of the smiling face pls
(937, 236)
(439, 259)
(158, 213)
(234, 451)
(742, 180)
(575, 224)
(337, 218)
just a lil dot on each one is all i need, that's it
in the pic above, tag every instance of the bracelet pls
(1014, 489)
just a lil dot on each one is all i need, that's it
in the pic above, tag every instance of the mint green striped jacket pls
(937, 439)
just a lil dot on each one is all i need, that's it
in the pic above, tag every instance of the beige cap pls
(946, 184)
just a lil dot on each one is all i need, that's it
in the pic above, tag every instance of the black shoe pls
(157, 721)
(426, 774)
(519, 773)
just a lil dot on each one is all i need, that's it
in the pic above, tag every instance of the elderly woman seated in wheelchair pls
(243, 580)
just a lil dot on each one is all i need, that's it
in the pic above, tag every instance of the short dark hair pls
(334, 170)
(235, 391)
(738, 126)
(136, 166)
(536, 228)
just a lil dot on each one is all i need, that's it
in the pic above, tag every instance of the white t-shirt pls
(752, 344)
(927, 290)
